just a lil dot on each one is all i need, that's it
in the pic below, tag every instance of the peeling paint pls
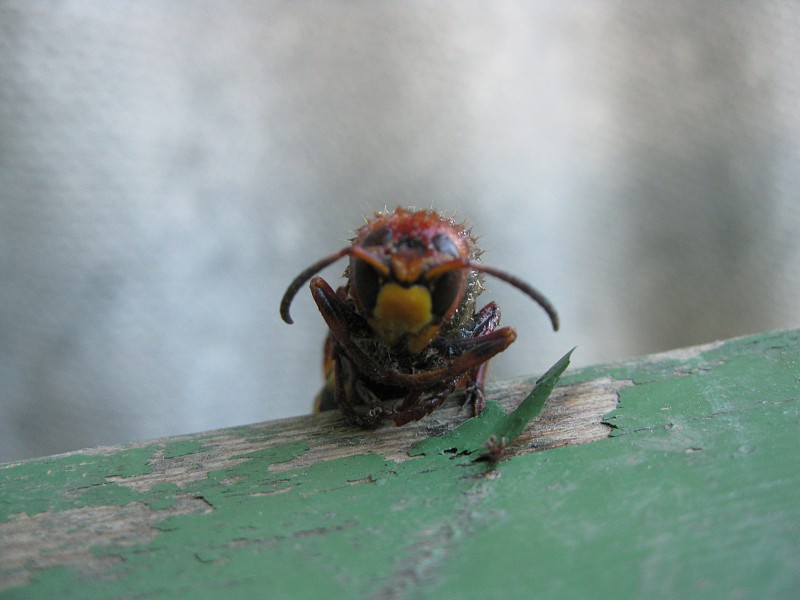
(183, 447)
(698, 499)
(54, 484)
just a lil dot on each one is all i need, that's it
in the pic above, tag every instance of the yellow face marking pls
(402, 310)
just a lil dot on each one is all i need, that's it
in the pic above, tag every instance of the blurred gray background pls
(166, 168)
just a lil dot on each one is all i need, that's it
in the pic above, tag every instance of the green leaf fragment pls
(514, 424)
(471, 435)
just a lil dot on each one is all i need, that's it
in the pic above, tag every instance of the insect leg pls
(343, 321)
(420, 404)
(326, 399)
(486, 321)
(350, 394)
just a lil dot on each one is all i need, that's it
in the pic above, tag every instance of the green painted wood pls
(696, 493)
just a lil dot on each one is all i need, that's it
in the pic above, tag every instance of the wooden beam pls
(695, 492)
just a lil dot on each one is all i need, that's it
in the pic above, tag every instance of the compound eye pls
(447, 291)
(366, 283)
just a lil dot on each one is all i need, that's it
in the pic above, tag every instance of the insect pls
(404, 330)
(495, 449)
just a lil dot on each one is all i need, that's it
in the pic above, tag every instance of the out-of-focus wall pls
(167, 168)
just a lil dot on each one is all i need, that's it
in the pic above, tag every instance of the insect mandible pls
(404, 329)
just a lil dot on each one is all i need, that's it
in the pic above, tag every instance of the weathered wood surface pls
(698, 491)
(573, 415)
